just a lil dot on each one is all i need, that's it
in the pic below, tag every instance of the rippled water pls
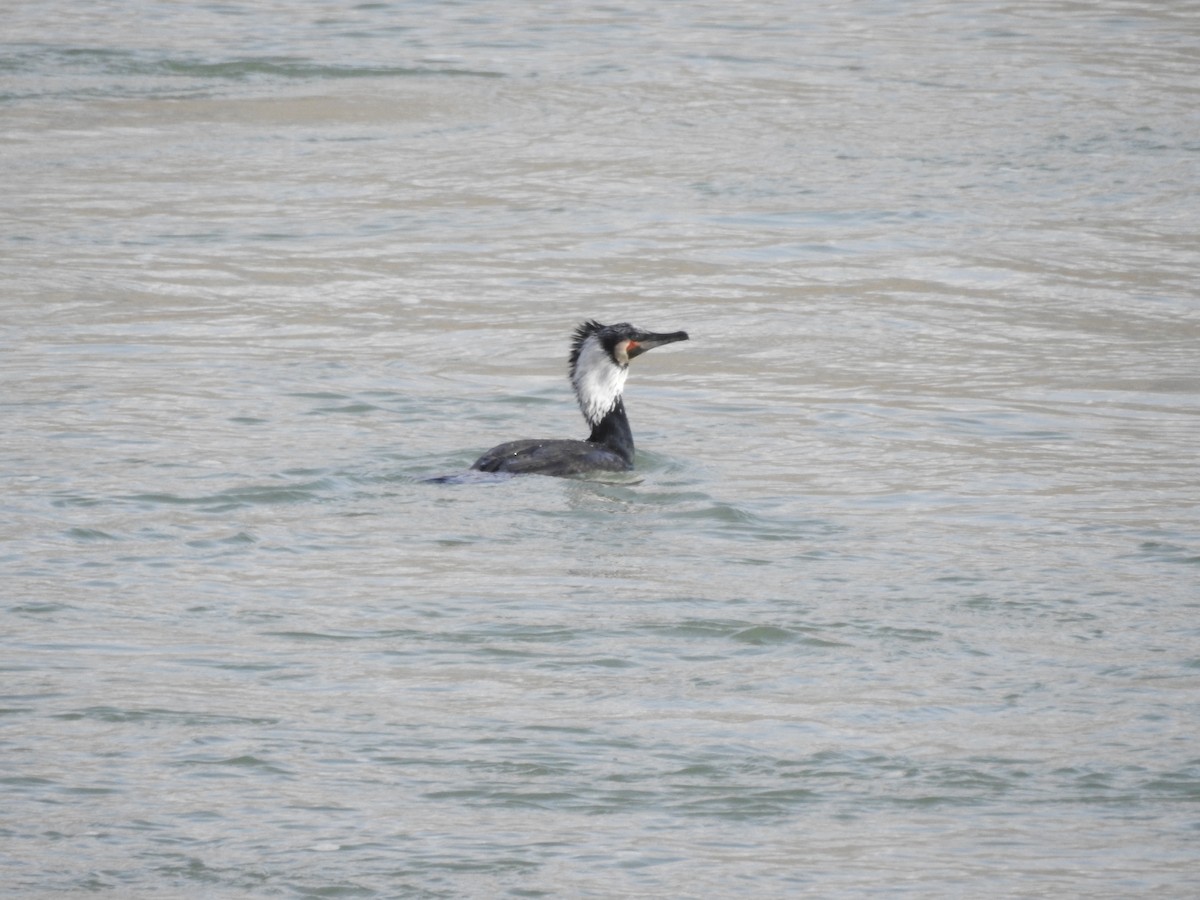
(903, 601)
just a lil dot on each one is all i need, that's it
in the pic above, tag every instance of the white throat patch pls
(598, 381)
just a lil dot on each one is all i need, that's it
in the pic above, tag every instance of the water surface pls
(903, 600)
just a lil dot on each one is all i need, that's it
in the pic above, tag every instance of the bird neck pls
(614, 433)
(597, 379)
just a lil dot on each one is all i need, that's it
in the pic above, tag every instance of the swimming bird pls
(598, 365)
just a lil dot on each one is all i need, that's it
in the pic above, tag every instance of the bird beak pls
(647, 341)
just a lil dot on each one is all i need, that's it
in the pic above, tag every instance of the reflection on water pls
(907, 569)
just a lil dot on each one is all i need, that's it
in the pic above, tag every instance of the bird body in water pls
(599, 364)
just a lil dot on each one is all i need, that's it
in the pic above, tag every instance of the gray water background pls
(905, 601)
